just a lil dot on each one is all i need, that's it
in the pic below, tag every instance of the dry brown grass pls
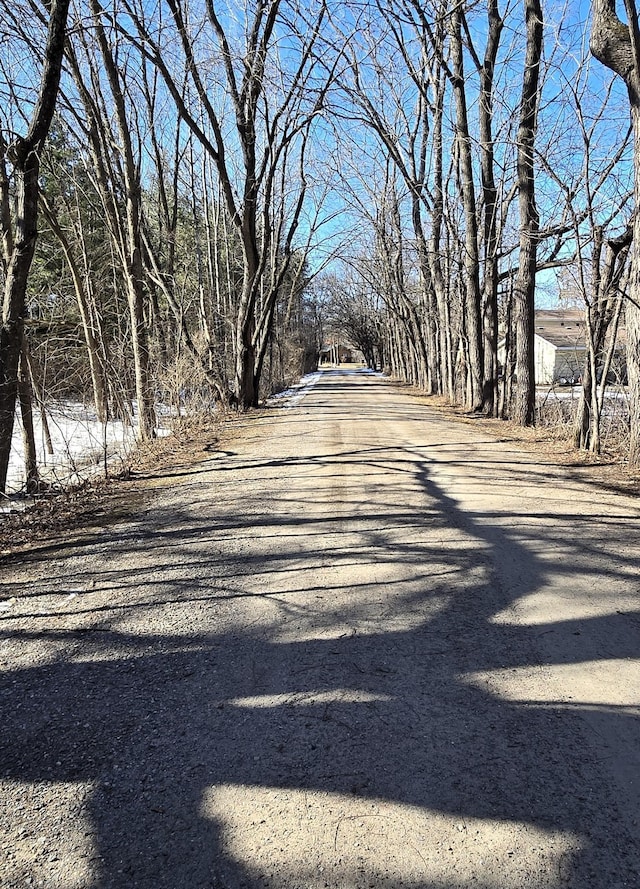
(86, 504)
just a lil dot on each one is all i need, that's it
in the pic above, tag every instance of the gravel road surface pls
(360, 646)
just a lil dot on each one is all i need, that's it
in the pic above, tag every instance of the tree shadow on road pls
(407, 715)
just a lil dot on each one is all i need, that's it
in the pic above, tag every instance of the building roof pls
(564, 328)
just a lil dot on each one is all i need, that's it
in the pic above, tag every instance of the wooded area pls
(192, 195)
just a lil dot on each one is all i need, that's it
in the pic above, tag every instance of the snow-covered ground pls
(81, 445)
(295, 393)
(616, 400)
(572, 393)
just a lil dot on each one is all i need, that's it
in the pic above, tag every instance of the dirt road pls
(362, 647)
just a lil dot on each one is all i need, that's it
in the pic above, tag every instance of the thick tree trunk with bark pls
(146, 420)
(435, 259)
(19, 244)
(524, 289)
(617, 45)
(632, 309)
(490, 213)
(432, 383)
(471, 259)
(246, 389)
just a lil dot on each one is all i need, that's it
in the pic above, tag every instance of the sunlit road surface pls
(358, 646)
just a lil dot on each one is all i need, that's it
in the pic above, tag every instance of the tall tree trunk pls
(471, 261)
(524, 289)
(490, 213)
(435, 247)
(632, 305)
(19, 246)
(617, 46)
(246, 390)
(431, 340)
(141, 358)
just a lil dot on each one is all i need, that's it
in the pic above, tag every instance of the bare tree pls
(19, 230)
(603, 311)
(524, 289)
(617, 45)
(127, 220)
(82, 283)
(471, 259)
(490, 204)
(272, 100)
(596, 196)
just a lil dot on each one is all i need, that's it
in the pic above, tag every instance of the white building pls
(560, 346)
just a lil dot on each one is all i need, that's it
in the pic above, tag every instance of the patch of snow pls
(572, 393)
(294, 394)
(81, 445)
